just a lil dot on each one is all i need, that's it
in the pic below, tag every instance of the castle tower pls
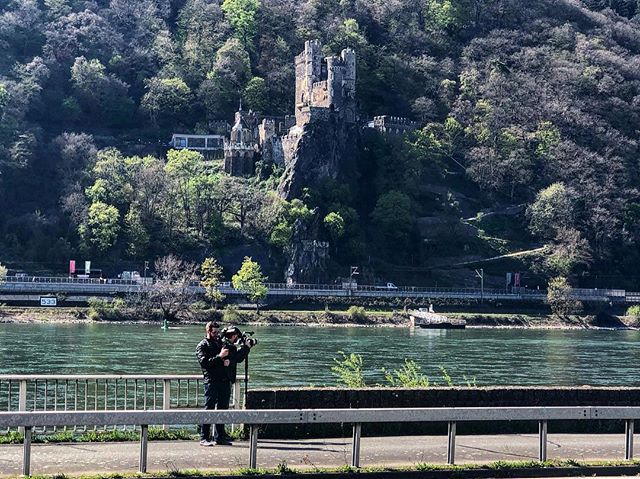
(308, 71)
(240, 149)
(335, 75)
(348, 57)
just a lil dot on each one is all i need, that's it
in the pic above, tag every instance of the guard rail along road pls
(255, 418)
(12, 287)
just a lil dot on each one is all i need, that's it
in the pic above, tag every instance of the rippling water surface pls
(303, 356)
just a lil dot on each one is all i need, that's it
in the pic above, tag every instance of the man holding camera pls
(218, 354)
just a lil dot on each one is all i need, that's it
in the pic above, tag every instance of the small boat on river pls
(426, 319)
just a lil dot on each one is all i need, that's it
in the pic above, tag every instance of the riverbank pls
(359, 317)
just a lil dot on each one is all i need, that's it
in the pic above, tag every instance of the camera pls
(247, 339)
(243, 338)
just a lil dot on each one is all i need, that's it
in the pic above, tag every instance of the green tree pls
(552, 209)
(256, 94)
(211, 276)
(137, 235)
(251, 281)
(281, 235)
(167, 100)
(242, 17)
(224, 84)
(335, 225)
(393, 217)
(559, 297)
(102, 226)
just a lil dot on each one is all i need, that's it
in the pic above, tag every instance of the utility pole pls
(146, 266)
(480, 274)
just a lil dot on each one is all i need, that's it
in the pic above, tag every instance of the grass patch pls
(155, 434)
(284, 469)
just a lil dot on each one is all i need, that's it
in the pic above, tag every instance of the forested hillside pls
(529, 118)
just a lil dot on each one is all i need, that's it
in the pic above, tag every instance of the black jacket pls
(236, 355)
(212, 365)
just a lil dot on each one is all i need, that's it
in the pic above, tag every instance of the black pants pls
(216, 396)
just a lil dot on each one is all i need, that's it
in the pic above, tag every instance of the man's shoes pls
(223, 442)
(205, 443)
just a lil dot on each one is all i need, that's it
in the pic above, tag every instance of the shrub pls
(231, 315)
(634, 310)
(357, 314)
(349, 370)
(409, 376)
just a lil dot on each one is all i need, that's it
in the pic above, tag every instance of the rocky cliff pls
(323, 148)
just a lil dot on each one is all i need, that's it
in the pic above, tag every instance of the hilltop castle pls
(324, 85)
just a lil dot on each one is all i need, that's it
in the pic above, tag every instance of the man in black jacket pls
(218, 358)
(213, 358)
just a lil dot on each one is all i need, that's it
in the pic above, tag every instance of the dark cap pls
(231, 330)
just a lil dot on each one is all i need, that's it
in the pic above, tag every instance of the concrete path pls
(87, 458)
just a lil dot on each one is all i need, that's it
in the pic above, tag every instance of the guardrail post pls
(166, 398)
(451, 444)
(355, 445)
(628, 440)
(26, 452)
(22, 399)
(237, 396)
(253, 446)
(144, 439)
(542, 443)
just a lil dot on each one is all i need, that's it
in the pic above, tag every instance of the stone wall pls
(316, 398)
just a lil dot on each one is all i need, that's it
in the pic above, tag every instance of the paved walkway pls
(77, 458)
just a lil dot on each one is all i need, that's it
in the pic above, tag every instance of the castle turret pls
(348, 57)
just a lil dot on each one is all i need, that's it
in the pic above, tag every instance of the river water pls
(303, 356)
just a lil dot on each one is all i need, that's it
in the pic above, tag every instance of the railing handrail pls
(82, 377)
(308, 416)
(255, 417)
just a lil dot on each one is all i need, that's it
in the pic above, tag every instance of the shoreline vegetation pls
(355, 316)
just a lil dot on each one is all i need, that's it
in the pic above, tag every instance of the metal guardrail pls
(50, 392)
(52, 285)
(254, 418)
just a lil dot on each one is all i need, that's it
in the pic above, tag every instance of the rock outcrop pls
(324, 148)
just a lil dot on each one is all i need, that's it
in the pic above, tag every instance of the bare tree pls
(174, 289)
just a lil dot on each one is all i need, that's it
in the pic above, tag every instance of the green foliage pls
(445, 376)
(166, 100)
(101, 228)
(211, 277)
(137, 236)
(250, 279)
(357, 314)
(552, 209)
(348, 370)
(281, 235)
(409, 376)
(103, 310)
(335, 225)
(242, 16)
(394, 218)
(633, 310)
(559, 297)
(231, 315)
(256, 94)
(297, 210)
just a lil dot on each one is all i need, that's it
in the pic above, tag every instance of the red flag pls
(72, 266)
